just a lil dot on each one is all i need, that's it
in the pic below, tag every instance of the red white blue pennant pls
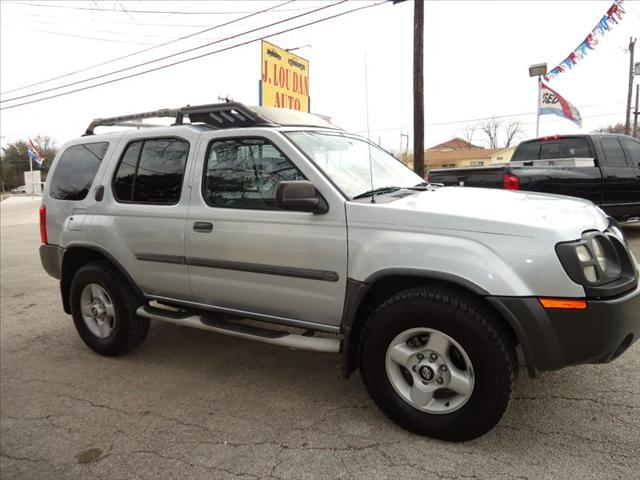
(613, 15)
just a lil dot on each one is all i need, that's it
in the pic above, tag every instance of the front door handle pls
(203, 227)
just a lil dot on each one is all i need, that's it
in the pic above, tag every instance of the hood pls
(486, 210)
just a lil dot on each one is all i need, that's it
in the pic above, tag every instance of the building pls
(460, 153)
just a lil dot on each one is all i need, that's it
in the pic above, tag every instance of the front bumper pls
(555, 338)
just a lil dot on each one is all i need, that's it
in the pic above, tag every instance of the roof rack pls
(217, 115)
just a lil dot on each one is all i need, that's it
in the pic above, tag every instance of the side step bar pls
(238, 329)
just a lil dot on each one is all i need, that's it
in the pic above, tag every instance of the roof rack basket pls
(217, 115)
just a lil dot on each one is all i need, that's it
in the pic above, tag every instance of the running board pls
(242, 330)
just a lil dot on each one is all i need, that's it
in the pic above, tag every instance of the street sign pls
(285, 79)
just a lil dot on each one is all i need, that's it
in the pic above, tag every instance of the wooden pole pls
(418, 88)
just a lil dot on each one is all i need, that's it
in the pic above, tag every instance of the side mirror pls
(300, 195)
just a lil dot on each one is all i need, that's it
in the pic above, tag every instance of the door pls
(245, 254)
(621, 179)
(632, 151)
(143, 213)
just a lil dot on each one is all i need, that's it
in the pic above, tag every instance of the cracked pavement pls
(197, 405)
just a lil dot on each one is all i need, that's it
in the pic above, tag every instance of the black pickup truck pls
(603, 168)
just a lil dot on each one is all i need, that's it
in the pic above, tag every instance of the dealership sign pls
(285, 79)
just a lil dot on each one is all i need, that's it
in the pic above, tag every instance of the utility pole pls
(635, 114)
(418, 88)
(627, 117)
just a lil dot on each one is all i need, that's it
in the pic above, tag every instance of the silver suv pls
(244, 221)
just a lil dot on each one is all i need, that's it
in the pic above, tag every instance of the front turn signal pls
(564, 303)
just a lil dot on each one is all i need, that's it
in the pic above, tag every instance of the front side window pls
(151, 171)
(244, 173)
(633, 148)
(76, 170)
(345, 160)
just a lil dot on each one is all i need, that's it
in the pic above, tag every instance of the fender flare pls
(356, 292)
(66, 283)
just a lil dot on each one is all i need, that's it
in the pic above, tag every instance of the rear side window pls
(244, 173)
(76, 170)
(151, 171)
(633, 148)
(613, 152)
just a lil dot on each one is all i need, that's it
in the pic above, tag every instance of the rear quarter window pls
(527, 151)
(75, 171)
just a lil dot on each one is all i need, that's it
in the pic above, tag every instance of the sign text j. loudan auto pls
(285, 79)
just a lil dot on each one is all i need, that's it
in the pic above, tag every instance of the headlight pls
(600, 262)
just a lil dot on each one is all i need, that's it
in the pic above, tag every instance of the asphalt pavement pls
(189, 404)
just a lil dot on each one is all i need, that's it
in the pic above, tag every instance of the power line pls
(145, 50)
(96, 77)
(71, 35)
(152, 24)
(23, 19)
(172, 12)
(125, 11)
(468, 120)
(196, 57)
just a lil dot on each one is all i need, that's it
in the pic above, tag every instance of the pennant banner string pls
(613, 16)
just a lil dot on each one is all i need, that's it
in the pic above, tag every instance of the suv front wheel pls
(103, 307)
(437, 363)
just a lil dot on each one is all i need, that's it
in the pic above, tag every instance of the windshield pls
(345, 160)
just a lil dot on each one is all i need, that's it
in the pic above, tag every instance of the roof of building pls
(452, 156)
(504, 150)
(454, 144)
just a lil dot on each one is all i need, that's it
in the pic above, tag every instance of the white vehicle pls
(281, 218)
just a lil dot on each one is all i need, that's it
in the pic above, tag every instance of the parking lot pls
(190, 404)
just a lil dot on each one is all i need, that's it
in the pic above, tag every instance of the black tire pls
(474, 327)
(129, 330)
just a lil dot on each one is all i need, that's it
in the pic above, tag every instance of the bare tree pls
(512, 131)
(468, 132)
(614, 128)
(497, 134)
(491, 127)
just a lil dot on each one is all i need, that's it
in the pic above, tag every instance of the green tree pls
(14, 160)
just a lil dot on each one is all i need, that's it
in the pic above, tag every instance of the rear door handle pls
(203, 227)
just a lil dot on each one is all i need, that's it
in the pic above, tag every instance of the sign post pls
(538, 70)
(284, 81)
(538, 109)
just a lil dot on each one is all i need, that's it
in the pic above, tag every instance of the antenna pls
(366, 96)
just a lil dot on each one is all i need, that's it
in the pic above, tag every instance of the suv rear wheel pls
(436, 362)
(103, 307)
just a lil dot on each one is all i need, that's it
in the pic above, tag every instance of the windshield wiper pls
(377, 191)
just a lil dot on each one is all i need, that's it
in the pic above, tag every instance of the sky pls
(476, 62)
